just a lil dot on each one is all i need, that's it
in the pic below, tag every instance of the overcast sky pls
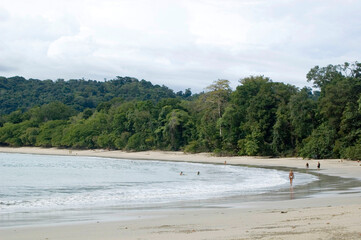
(181, 44)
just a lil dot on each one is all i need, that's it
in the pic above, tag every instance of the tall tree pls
(218, 97)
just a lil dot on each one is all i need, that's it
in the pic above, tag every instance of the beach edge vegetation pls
(259, 118)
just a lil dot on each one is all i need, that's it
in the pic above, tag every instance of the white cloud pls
(72, 47)
(180, 44)
(4, 15)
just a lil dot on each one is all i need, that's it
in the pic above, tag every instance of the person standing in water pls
(291, 176)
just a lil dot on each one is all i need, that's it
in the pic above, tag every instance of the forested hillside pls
(19, 93)
(259, 117)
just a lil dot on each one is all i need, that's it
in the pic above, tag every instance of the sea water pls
(43, 183)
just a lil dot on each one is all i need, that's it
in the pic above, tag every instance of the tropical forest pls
(260, 117)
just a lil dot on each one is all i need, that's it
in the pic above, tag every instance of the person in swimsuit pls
(291, 176)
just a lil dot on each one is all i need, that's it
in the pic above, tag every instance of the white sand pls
(332, 217)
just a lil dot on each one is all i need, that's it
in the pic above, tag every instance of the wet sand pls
(328, 216)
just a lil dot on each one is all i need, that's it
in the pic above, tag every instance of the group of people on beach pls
(291, 175)
(318, 165)
(181, 173)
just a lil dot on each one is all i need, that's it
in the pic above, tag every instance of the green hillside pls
(19, 93)
(260, 117)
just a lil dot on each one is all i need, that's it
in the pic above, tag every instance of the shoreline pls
(331, 216)
(330, 167)
(333, 167)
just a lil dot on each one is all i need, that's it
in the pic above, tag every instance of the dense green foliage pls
(259, 117)
(19, 93)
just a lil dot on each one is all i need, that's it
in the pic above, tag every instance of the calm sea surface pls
(34, 186)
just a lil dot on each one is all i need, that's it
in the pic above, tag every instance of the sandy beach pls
(333, 216)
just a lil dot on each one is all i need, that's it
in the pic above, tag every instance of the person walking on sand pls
(307, 165)
(291, 176)
(318, 165)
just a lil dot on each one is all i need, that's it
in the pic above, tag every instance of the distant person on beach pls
(307, 165)
(198, 173)
(181, 173)
(291, 176)
(318, 165)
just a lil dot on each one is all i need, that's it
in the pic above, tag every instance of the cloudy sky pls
(181, 43)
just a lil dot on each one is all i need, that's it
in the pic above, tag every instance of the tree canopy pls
(19, 93)
(259, 117)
